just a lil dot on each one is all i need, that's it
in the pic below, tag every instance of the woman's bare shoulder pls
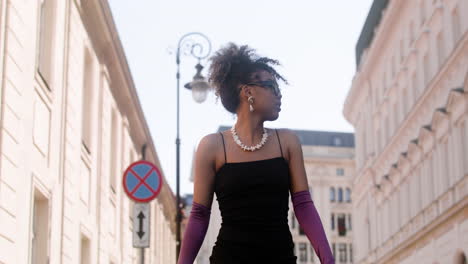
(289, 140)
(210, 141)
(287, 136)
(208, 146)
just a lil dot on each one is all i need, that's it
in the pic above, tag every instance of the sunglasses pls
(271, 85)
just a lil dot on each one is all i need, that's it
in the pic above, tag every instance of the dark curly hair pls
(234, 65)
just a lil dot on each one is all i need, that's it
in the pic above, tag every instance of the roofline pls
(367, 34)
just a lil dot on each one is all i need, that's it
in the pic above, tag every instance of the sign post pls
(142, 182)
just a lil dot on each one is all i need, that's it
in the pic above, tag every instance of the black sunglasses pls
(272, 85)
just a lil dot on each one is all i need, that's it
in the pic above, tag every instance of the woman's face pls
(267, 96)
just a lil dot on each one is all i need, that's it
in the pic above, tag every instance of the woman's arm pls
(304, 208)
(202, 198)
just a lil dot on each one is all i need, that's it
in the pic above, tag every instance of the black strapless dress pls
(253, 200)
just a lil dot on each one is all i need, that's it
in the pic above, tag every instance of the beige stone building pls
(408, 103)
(329, 163)
(70, 124)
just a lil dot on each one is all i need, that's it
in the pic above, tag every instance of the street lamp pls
(193, 44)
(199, 85)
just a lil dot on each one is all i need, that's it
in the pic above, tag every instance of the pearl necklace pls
(247, 148)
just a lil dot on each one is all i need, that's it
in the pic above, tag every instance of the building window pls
(456, 26)
(85, 251)
(340, 195)
(340, 171)
(387, 129)
(351, 253)
(114, 155)
(405, 101)
(301, 231)
(414, 84)
(293, 220)
(446, 166)
(337, 141)
(411, 28)
(377, 140)
(426, 70)
(332, 221)
(384, 82)
(87, 102)
(311, 249)
(45, 41)
(40, 229)
(423, 12)
(364, 145)
(85, 182)
(348, 195)
(342, 253)
(332, 194)
(464, 142)
(349, 227)
(303, 252)
(333, 250)
(341, 219)
(396, 117)
(402, 51)
(440, 48)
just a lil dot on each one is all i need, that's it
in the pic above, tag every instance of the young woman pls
(252, 170)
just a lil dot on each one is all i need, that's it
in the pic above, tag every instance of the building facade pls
(329, 164)
(71, 123)
(408, 103)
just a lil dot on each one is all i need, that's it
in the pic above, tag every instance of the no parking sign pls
(142, 181)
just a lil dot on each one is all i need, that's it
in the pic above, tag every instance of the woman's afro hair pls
(234, 65)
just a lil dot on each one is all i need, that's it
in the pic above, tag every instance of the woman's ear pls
(246, 91)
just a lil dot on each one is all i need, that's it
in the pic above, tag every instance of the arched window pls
(340, 195)
(348, 195)
(422, 13)
(332, 194)
(332, 221)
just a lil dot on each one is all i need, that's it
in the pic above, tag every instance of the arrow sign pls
(141, 225)
(140, 232)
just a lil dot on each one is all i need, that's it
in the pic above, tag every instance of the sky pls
(314, 41)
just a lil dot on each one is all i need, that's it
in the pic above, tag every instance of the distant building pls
(187, 201)
(329, 163)
(70, 124)
(408, 103)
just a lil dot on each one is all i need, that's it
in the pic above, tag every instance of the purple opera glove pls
(194, 233)
(309, 220)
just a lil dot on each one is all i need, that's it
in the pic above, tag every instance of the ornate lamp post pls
(199, 46)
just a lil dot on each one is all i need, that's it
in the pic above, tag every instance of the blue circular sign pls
(142, 181)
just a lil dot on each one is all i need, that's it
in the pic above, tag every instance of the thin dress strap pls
(279, 142)
(224, 147)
